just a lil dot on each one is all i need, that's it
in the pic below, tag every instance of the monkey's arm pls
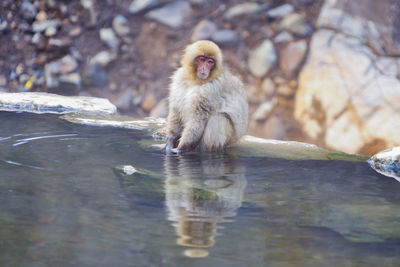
(174, 129)
(191, 134)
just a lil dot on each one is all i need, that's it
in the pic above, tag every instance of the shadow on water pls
(67, 198)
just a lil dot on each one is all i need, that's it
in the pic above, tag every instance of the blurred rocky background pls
(324, 72)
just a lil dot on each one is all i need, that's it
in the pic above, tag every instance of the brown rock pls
(149, 102)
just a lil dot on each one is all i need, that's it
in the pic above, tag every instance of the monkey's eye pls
(202, 59)
(210, 61)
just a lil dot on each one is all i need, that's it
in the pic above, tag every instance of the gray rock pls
(124, 101)
(264, 110)
(203, 30)
(51, 103)
(51, 70)
(103, 58)
(67, 64)
(3, 25)
(242, 9)
(262, 59)
(280, 11)
(108, 36)
(28, 10)
(120, 25)
(96, 75)
(225, 36)
(292, 56)
(296, 24)
(38, 40)
(71, 79)
(172, 15)
(89, 5)
(61, 43)
(142, 5)
(283, 37)
(42, 26)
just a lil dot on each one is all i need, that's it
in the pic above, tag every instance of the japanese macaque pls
(208, 109)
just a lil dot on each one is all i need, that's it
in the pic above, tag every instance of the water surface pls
(65, 201)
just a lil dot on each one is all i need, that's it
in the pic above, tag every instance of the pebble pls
(103, 58)
(41, 16)
(280, 11)
(108, 36)
(71, 79)
(262, 59)
(172, 14)
(264, 110)
(149, 102)
(268, 86)
(142, 5)
(203, 30)
(38, 40)
(285, 90)
(28, 10)
(224, 37)
(50, 71)
(283, 37)
(96, 75)
(89, 5)
(120, 25)
(124, 101)
(40, 26)
(242, 9)
(3, 25)
(67, 64)
(296, 24)
(75, 31)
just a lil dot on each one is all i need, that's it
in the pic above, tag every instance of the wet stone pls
(103, 58)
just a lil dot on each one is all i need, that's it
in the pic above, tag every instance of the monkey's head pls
(202, 61)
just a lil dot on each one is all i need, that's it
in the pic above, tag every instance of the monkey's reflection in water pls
(201, 192)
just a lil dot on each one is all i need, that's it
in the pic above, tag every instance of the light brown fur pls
(209, 114)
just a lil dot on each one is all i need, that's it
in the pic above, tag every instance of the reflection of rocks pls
(198, 198)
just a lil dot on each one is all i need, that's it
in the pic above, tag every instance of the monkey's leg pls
(218, 132)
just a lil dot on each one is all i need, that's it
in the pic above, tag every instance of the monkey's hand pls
(178, 151)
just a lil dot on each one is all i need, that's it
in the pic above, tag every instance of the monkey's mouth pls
(202, 75)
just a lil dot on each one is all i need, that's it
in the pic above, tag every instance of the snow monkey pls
(208, 109)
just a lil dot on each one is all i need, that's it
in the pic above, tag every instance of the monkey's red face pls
(204, 66)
